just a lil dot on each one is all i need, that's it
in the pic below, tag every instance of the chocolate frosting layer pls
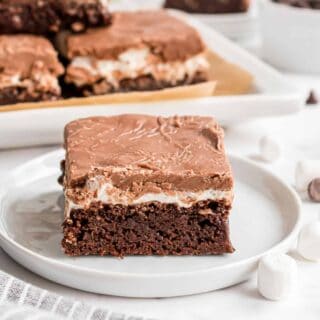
(137, 151)
(23, 54)
(168, 37)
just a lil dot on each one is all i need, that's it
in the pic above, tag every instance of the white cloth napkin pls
(22, 301)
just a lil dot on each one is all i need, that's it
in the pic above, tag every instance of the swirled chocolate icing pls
(140, 152)
(168, 37)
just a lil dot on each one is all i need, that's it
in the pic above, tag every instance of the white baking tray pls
(273, 95)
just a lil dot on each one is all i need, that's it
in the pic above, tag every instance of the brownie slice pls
(50, 16)
(128, 56)
(209, 6)
(143, 185)
(29, 69)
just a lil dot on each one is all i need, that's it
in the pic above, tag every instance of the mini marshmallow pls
(277, 276)
(306, 171)
(309, 241)
(270, 149)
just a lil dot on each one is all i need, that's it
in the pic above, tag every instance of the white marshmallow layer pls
(137, 62)
(108, 194)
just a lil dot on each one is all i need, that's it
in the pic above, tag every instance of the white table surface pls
(300, 136)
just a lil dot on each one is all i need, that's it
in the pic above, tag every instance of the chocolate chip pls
(312, 99)
(314, 190)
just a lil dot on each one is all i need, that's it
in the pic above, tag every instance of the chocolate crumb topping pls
(50, 16)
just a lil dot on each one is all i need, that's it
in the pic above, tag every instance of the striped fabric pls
(22, 301)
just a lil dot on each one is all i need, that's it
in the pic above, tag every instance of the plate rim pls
(4, 237)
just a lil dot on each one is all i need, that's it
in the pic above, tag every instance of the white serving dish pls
(236, 26)
(265, 219)
(291, 37)
(273, 95)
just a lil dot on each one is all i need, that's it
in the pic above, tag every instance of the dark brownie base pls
(50, 16)
(14, 95)
(148, 229)
(143, 83)
(209, 6)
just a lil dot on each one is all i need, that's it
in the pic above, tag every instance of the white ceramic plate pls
(265, 219)
(274, 96)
